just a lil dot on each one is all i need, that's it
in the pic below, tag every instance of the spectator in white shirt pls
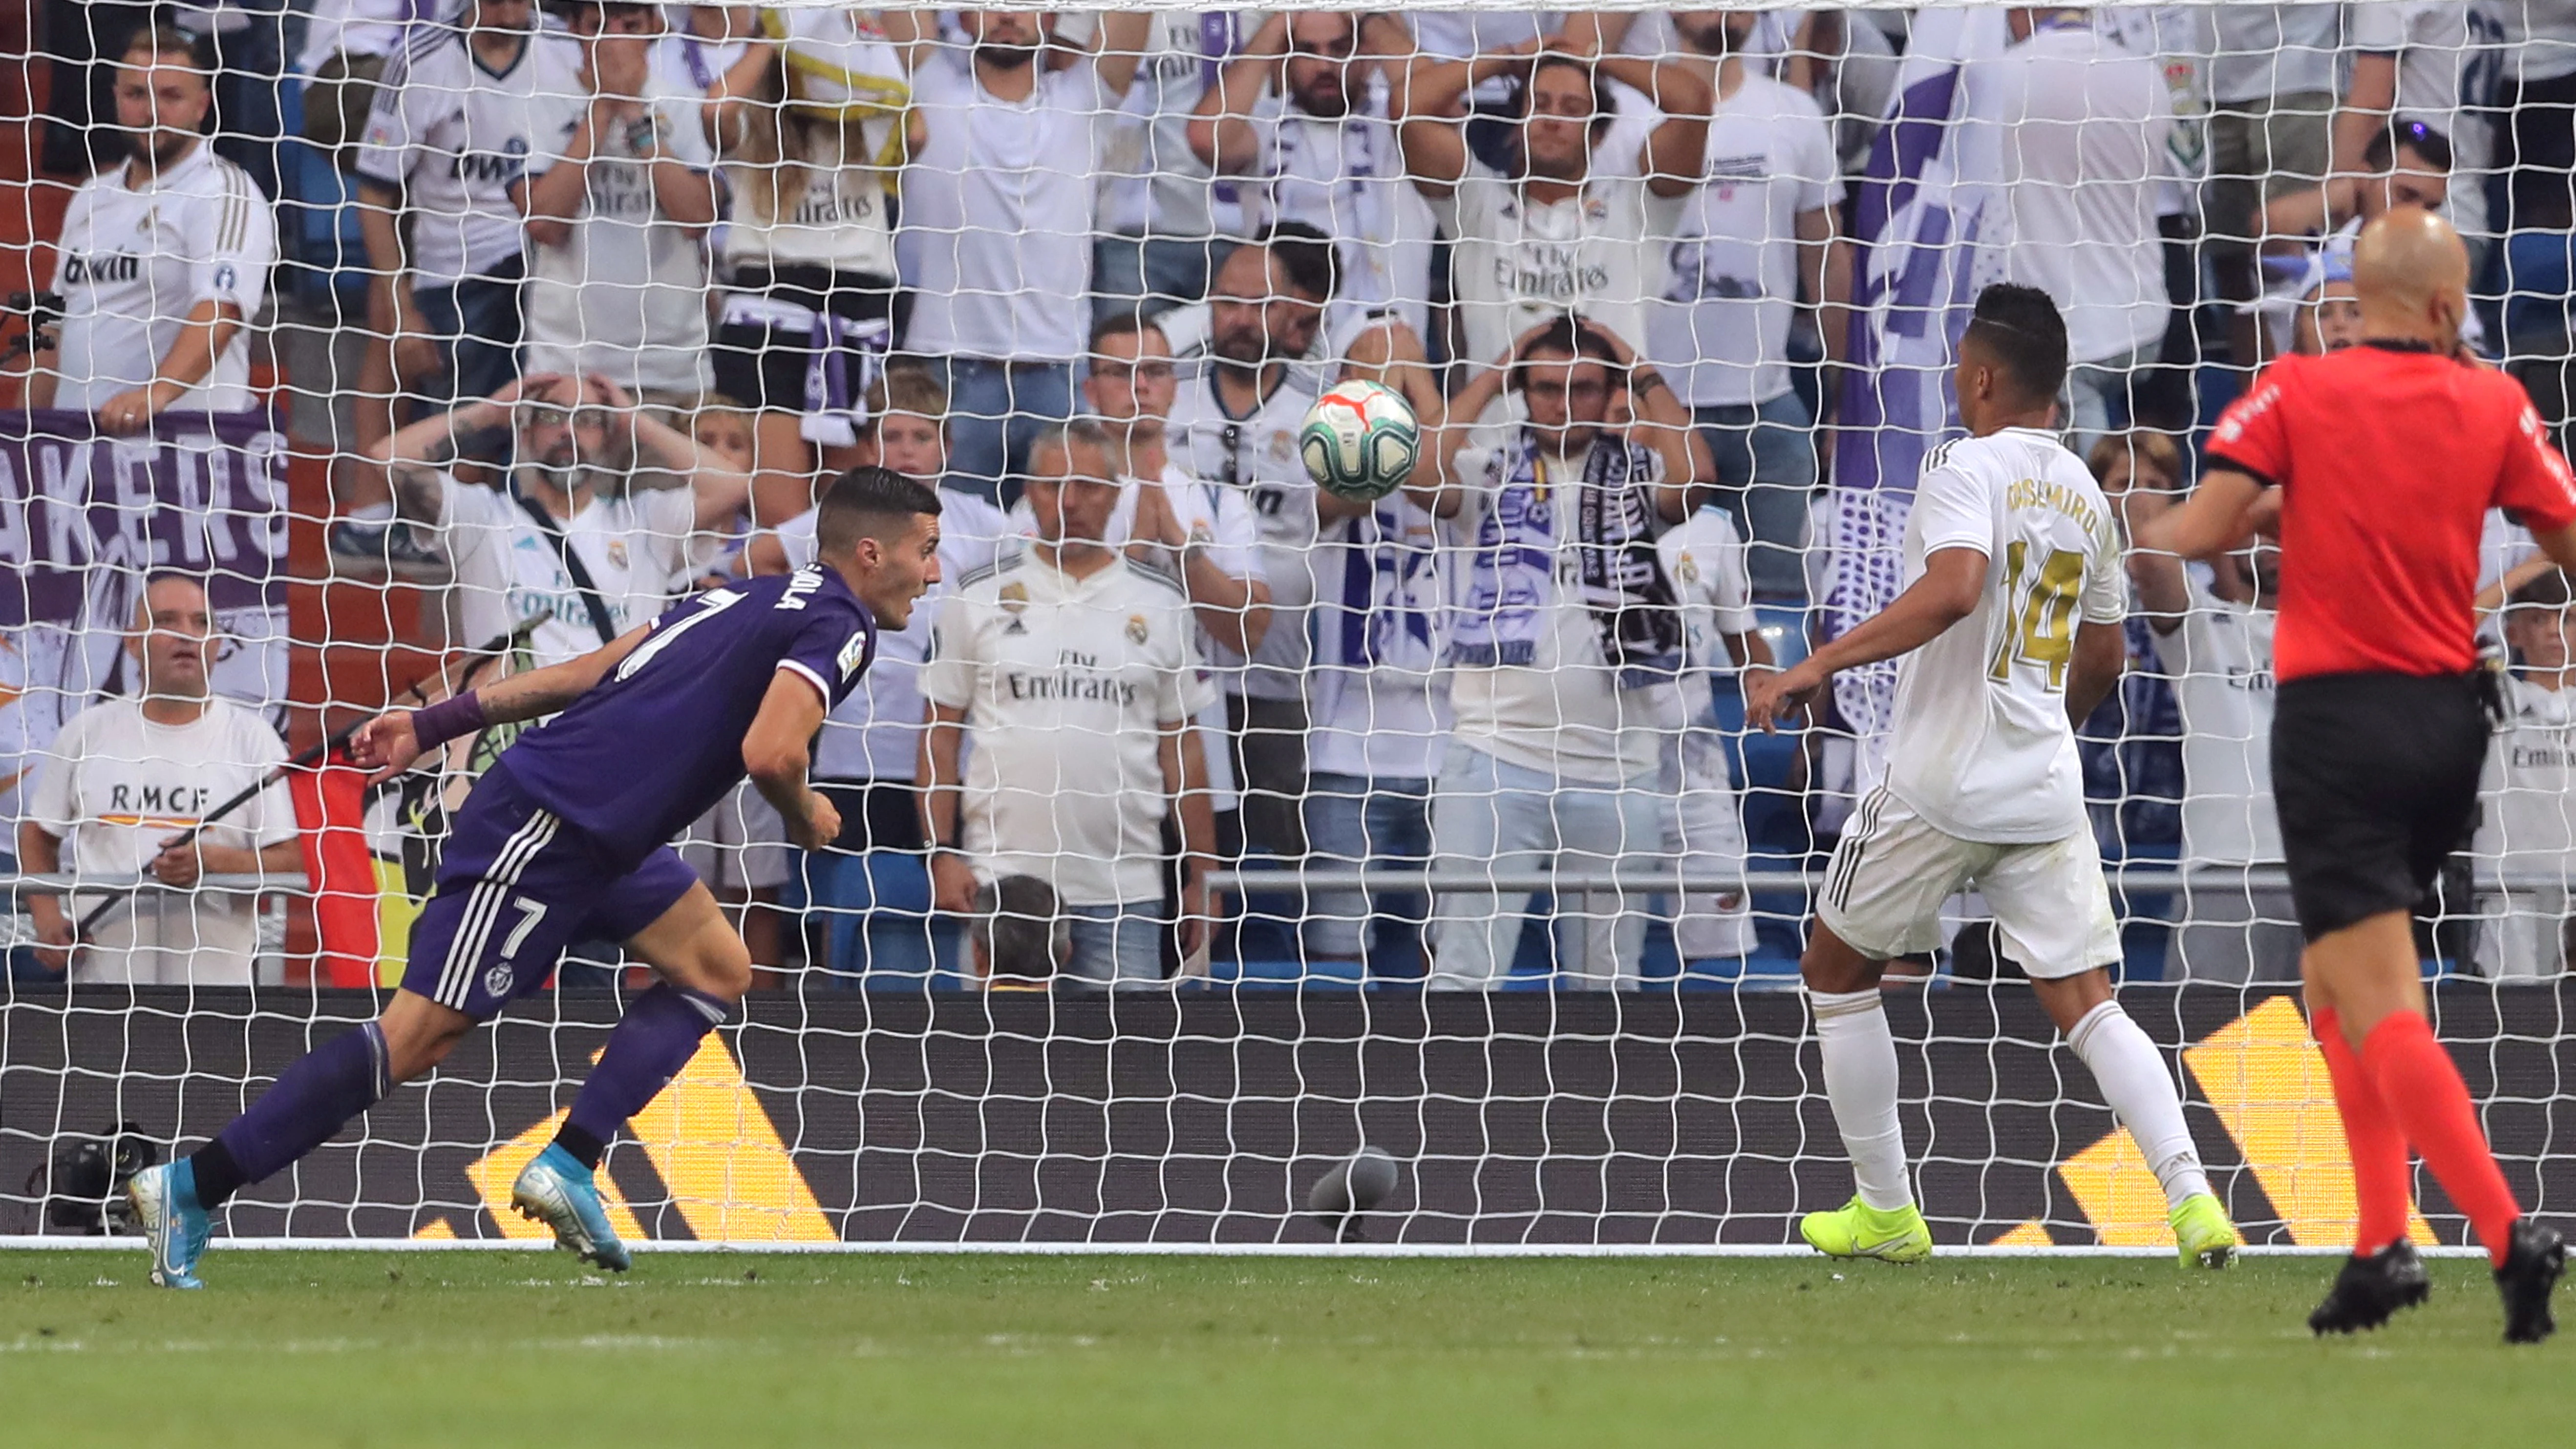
(1165, 222)
(1307, 117)
(617, 216)
(163, 259)
(2214, 639)
(126, 779)
(2431, 62)
(1752, 239)
(1073, 673)
(999, 219)
(1566, 653)
(1566, 227)
(567, 543)
(2073, 127)
(1703, 818)
(2527, 827)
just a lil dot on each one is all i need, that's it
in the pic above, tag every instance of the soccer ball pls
(1360, 441)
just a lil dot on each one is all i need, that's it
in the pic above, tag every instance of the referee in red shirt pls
(2381, 462)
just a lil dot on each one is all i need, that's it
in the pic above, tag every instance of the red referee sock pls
(2421, 1088)
(2379, 1182)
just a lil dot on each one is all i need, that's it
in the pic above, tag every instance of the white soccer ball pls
(1360, 441)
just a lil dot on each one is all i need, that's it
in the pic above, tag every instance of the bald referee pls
(2382, 461)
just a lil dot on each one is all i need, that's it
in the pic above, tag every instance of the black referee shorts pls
(2376, 780)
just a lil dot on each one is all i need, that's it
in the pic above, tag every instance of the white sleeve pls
(551, 121)
(1730, 588)
(1951, 511)
(397, 120)
(51, 807)
(1237, 545)
(239, 237)
(668, 516)
(685, 133)
(270, 819)
(948, 676)
(2106, 583)
(2377, 28)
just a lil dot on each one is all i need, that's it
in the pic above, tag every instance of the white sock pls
(2135, 1081)
(1860, 1080)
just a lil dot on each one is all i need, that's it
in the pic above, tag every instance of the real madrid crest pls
(617, 552)
(1136, 629)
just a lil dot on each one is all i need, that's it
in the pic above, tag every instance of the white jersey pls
(685, 61)
(1218, 520)
(455, 137)
(998, 210)
(1152, 184)
(1517, 265)
(1379, 697)
(2074, 128)
(1980, 744)
(1719, 325)
(1704, 558)
(2220, 658)
(1345, 178)
(1067, 685)
(875, 734)
(114, 785)
(1257, 454)
(839, 220)
(507, 571)
(2537, 38)
(2528, 825)
(625, 295)
(137, 260)
(2264, 51)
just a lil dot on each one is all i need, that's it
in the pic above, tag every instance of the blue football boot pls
(165, 1203)
(555, 1189)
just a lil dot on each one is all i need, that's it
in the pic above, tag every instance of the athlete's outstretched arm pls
(776, 751)
(392, 740)
(2101, 655)
(2218, 517)
(1954, 579)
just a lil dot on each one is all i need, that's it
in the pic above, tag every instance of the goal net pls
(1200, 826)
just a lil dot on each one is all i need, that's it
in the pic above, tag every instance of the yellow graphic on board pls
(709, 1140)
(2267, 1082)
(728, 1172)
(732, 1179)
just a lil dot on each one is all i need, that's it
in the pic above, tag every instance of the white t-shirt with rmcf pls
(1704, 558)
(113, 786)
(1067, 686)
(2220, 658)
(1718, 327)
(1980, 743)
(137, 259)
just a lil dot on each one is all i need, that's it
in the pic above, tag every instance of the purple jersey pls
(655, 744)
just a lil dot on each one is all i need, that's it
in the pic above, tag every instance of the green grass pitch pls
(740, 1351)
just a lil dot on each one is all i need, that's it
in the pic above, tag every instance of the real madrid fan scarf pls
(1511, 576)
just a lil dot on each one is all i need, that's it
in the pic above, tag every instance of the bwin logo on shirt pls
(79, 271)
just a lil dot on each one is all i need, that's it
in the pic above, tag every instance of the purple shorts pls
(516, 884)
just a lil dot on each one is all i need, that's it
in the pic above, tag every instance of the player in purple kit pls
(566, 838)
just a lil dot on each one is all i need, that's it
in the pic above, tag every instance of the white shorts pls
(739, 845)
(1893, 870)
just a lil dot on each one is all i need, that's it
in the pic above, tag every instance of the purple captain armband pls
(436, 724)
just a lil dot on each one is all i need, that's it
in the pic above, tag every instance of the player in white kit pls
(2009, 629)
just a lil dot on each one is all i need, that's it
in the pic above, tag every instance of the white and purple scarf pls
(1511, 575)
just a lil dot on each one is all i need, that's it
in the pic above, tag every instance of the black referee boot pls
(2370, 1290)
(2530, 1271)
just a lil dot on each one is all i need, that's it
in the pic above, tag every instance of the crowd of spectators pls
(626, 281)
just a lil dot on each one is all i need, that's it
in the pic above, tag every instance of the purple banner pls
(84, 517)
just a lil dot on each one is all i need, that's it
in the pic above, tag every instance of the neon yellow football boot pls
(1857, 1230)
(2202, 1234)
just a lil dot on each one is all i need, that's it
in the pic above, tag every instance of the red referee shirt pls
(2388, 459)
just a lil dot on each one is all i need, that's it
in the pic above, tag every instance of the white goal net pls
(1202, 826)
